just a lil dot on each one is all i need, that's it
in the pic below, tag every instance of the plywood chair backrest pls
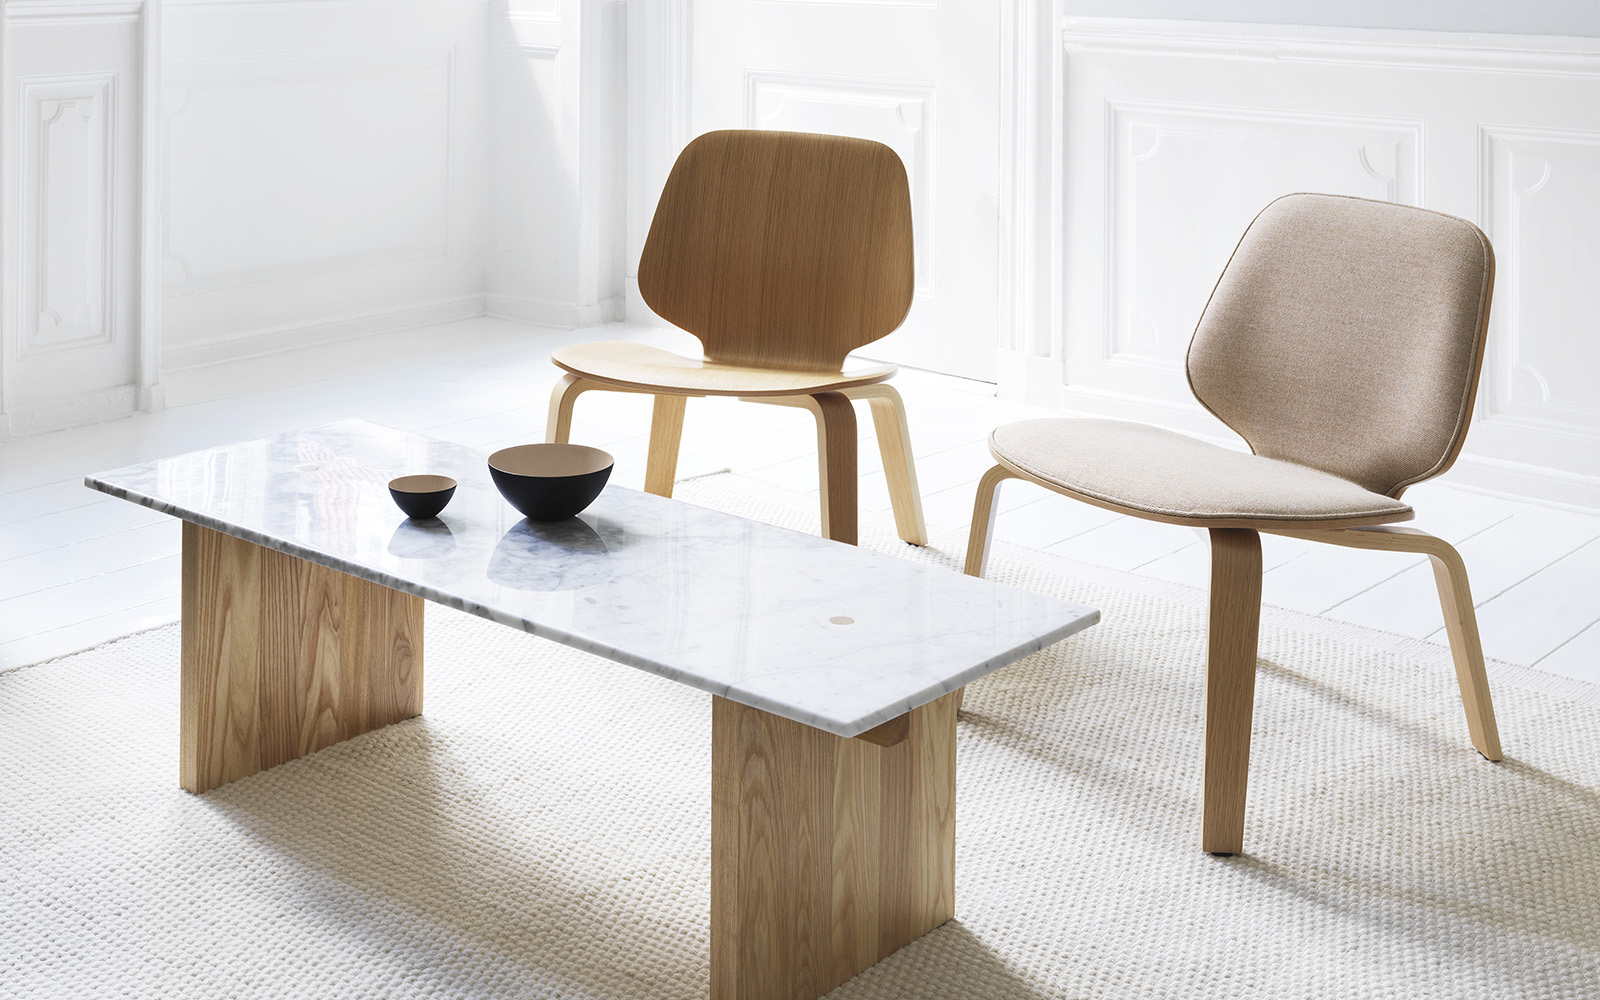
(781, 249)
(1347, 335)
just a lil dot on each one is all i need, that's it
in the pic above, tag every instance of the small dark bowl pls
(422, 496)
(550, 482)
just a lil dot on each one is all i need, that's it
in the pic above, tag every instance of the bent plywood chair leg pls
(983, 511)
(1230, 684)
(899, 465)
(1466, 648)
(836, 464)
(666, 431)
(558, 425)
(1460, 618)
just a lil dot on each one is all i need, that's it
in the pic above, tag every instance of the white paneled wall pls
(189, 181)
(1174, 135)
(557, 237)
(324, 172)
(71, 165)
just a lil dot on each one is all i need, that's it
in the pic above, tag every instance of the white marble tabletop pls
(827, 634)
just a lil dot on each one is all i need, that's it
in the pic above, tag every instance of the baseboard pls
(70, 411)
(547, 312)
(1533, 483)
(292, 336)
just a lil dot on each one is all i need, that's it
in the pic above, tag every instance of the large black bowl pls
(549, 482)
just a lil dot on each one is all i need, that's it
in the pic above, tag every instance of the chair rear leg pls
(1466, 648)
(836, 464)
(899, 466)
(983, 512)
(1460, 620)
(1232, 636)
(666, 433)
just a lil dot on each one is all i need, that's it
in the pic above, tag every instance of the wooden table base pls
(827, 854)
(282, 657)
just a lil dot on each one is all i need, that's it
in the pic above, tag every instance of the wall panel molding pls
(336, 172)
(1186, 176)
(69, 181)
(72, 11)
(1541, 192)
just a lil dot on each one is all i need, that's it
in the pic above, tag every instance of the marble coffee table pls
(835, 671)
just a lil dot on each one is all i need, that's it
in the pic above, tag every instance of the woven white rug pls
(543, 831)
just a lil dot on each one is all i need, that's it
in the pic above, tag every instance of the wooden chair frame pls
(1233, 632)
(836, 447)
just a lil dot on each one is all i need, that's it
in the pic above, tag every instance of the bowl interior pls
(421, 484)
(550, 461)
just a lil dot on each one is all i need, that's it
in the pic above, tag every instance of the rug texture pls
(543, 830)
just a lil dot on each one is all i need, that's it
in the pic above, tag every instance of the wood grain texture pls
(782, 252)
(281, 657)
(890, 733)
(624, 364)
(836, 465)
(1231, 642)
(666, 433)
(899, 464)
(558, 425)
(894, 444)
(1460, 616)
(781, 249)
(828, 854)
(984, 509)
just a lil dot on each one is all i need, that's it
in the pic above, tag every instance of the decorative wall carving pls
(68, 185)
(1541, 191)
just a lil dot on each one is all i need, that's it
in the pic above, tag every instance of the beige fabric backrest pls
(781, 249)
(1347, 335)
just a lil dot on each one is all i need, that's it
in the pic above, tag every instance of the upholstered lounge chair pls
(782, 252)
(1343, 343)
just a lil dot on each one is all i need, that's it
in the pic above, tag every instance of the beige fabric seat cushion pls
(650, 369)
(1166, 476)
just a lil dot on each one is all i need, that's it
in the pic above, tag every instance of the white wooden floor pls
(78, 568)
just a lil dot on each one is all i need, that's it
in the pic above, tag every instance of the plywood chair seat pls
(649, 369)
(1343, 343)
(1162, 475)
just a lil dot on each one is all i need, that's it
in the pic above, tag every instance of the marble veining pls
(735, 607)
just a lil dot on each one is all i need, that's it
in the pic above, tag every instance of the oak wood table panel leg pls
(827, 854)
(282, 657)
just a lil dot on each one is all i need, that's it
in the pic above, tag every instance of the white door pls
(921, 76)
